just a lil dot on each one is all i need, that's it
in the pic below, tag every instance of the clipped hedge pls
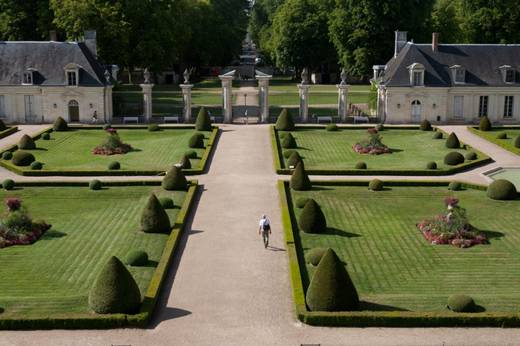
(22, 158)
(471, 156)
(361, 165)
(2, 126)
(114, 165)
(26, 143)
(312, 219)
(517, 142)
(461, 303)
(300, 180)
(191, 154)
(332, 127)
(375, 185)
(294, 160)
(154, 218)
(46, 136)
(203, 121)
(153, 128)
(431, 165)
(453, 158)
(197, 141)
(300, 202)
(437, 135)
(167, 202)
(502, 190)
(452, 142)
(287, 153)
(185, 162)
(285, 121)
(455, 186)
(175, 180)
(8, 184)
(426, 126)
(36, 165)
(289, 142)
(95, 185)
(485, 124)
(7, 155)
(502, 135)
(60, 125)
(136, 258)
(315, 255)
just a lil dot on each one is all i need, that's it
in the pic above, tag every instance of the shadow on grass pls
(321, 188)
(52, 234)
(341, 233)
(491, 234)
(369, 306)
(39, 149)
(393, 150)
(1, 310)
(151, 264)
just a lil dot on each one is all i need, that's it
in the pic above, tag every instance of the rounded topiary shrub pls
(471, 156)
(185, 162)
(437, 135)
(454, 158)
(461, 303)
(154, 219)
(288, 153)
(203, 121)
(361, 165)
(26, 143)
(453, 141)
(485, 124)
(375, 185)
(167, 202)
(502, 135)
(114, 165)
(136, 258)
(153, 127)
(331, 288)
(191, 154)
(289, 142)
(431, 165)
(312, 219)
(60, 125)
(8, 184)
(115, 290)
(2, 125)
(197, 141)
(7, 155)
(175, 180)
(95, 185)
(46, 136)
(285, 121)
(315, 255)
(455, 186)
(517, 141)
(332, 127)
(300, 180)
(300, 202)
(502, 190)
(294, 160)
(426, 126)
(36, 165)
(22, 158)
(380, 127)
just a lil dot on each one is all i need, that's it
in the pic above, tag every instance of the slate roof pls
(481, 62)
(49, 60)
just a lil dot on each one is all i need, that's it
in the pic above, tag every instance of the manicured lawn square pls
(508, 143)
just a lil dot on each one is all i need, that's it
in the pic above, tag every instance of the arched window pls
(416, 111)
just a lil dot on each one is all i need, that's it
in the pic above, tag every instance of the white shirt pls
(264, 222)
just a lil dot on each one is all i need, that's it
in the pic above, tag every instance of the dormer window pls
(416, 74)
(458, 74)
(72, 74)
(28, 77)
(508, 74)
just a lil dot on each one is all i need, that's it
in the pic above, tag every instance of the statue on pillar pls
(147, 76)
(186, 76)
(343, 77)
(305, 76)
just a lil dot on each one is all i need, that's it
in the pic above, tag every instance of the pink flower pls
(451, 201)
(13, 204)
(111, 130)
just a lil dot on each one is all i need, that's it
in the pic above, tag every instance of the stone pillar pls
(304, 102)
(109, 107)
(342, 102)
(147, 101)
(227, 95)
(186, 96)
(263, 95)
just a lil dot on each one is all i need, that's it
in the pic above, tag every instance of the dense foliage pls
(112, 145)
(373, 145)
(502, 190)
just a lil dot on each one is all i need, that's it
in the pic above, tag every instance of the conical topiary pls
(426, 126)
(154, 219)
(175, 180)
(203, 122)
(285, 121)
(300, 180)
(60, 125)
(294, 159)
(312, 219)
(331, 288)
(288, 142)
(517, 141)
(196, 141)
(2, 126)
(26, 142)
(453, 141)
(485, 124)
(185, 162)
(115, 290)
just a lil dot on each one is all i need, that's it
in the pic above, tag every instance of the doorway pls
(416, 111)
(73, 111)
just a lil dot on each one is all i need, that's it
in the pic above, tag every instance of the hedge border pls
(279, 162)
(210, 148)
(9, 131)
(488, 137)
(151, 296)
(373, 318)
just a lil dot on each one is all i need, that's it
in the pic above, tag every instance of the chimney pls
(401, 38)
(53, 35)
(435, 41)
(91, 42)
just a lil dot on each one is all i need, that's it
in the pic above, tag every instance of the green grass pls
(53, 276)
(508, 143)
(412, 149)
(315, 98)
(153, 151)
(392, 264)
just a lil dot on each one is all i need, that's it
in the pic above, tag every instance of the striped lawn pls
(509, 142)
(72, 150)
(412, 149)
(53, 276)
(391, 263)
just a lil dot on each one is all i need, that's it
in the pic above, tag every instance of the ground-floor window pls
(416, 111)
(483, 106)
(29, 107)
(2, 106)
(508, 106)
(458, 107)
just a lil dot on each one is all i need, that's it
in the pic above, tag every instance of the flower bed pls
(112, 145)
(373, 145)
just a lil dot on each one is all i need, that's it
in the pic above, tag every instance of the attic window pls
(458, 74)
(508, 74)
(416, 74)
(28, 77)
(72, 74)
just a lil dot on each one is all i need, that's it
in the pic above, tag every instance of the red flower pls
(13, 204)
(451, 201)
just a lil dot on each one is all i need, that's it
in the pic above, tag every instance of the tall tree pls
(447, 20)
(25, 20)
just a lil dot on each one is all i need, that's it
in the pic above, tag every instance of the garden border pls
(483, 134)
(210, 148)
(151, 295)
(279, 163)
(373, 318)
(9, 131)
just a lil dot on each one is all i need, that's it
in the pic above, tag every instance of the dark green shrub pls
(26, 143)
(191, 154)
(455, 186)
(197, 141)
(289, 142)
(153, 127)
(453, 141)
(107, 126)
(36, 165)
(95, 185)
(431, 165)
(136, 258)
(294, 160)
(282, 134)
(501, 190)
(426, 126)
(300, 180)
(7, 155)
(203, 122)
(46, 136)
(380, 127)
(8, 184)
(167, 203)
(60, 125)
(502, 135)
(454, 158)
(437, 135)
(115, 290)
(315, 255)
(331, 288)
(312, 219)
(332, 127)
(175, 180)
(517, 141)
(154, 219)
(22, 158)
(300, 202)
(114, 165)
(471, 156)
(375, 185)
(2, 125)
(185, 162)
(285, 121)
(288, 153)
(485, 124)
(361, 165)
(461, 303)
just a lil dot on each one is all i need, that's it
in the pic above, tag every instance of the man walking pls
(264, 229)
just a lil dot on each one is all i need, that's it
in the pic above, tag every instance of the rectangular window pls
(508, 106)
(27, 78)
(510, 76)
(2, 106)
(29, 106)
(417, 78)
(71, 78)
(460, 75)
(483, 106)
(458, 107)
